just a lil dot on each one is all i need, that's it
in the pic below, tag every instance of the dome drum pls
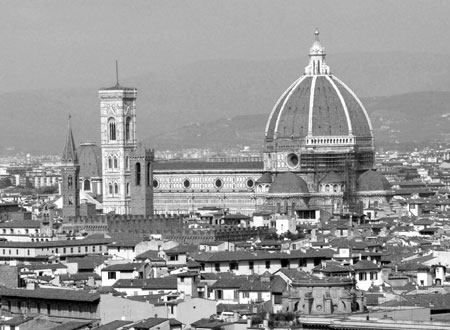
(312, 161)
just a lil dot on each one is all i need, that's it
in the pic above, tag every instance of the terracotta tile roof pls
(261, 255)
(88, 262)
(55, 294)
(365, 265)
(54, 244)
(212, 243)
(209, 324)
(149, 323)
(433, 301)
(114, 325)
(235, 282)
(73, 325)
(204, 165)
(294, 274)
(411, 266)
(123, 267)
(236, 216)
(16, 320)
(150, 255)
(333, 268)
(40, 266)
(168, 283)
(80, 277)
(182, 248)
(21, 224)
(254, 286)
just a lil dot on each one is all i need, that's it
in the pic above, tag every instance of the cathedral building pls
(318, 154)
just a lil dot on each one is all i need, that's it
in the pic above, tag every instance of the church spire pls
(70, 151)
(317, 65)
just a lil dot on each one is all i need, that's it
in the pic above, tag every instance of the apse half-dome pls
(373, 181)
(288, 183)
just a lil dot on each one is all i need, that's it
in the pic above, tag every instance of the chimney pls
(31, 286)
(90, 281)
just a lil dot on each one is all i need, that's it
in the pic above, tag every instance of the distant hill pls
(408, 118)
(212, 102)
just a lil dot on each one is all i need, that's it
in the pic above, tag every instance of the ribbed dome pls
(288, 183)
(372, 180)
(90, 160)
(318, 105)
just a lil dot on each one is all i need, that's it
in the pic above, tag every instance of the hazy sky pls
(58, 43)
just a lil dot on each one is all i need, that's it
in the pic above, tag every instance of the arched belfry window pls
(115, 162)
(128, 129)
(112, 129)
(110, 189)
(128, 189)
(127, 163)
(69, 182)
(116, 188)
(149, 175)
(110, 162)
(138, 174)
(87, 185)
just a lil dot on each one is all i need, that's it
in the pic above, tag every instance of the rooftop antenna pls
(117, 73)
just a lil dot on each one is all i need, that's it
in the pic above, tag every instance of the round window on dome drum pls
(218, 183)
(155, 184)
(292, 160)
(186, 183)
(250, 183)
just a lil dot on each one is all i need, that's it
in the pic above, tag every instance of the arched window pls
(128, 189)
(127, 163)
(112, 129)
(115, 162)
(116, 188)
(138, 174)
(335, 188)
(127, 129)
(149, 174)
(87, 185)
(69, 182)
(110, 189)
(110, 162)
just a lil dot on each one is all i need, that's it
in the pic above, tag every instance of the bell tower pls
(70, 170)
(118, 141)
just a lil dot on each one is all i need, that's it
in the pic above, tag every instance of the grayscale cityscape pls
(224, 165)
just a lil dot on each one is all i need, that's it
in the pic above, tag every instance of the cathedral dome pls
(288, 183)
(318, 105)
(90, 160)
(372, 180)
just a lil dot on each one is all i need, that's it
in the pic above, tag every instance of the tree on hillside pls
(5, 183)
